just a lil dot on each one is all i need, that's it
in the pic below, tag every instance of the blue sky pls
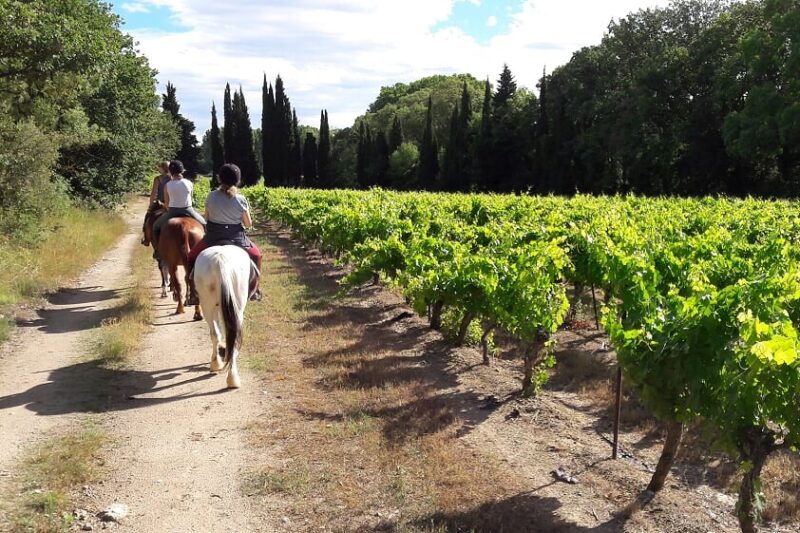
(336, 54)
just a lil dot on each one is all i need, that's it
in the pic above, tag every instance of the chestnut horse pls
(177, 237)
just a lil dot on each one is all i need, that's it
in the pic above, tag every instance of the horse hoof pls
(197, 317)
(234, 383)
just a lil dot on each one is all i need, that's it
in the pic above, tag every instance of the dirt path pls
(179, 451)
(43, 378)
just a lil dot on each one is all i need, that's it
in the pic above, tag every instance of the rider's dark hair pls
(229, 178)
(176, 167)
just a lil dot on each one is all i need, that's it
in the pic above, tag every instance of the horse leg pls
(176, 290)
(233, 372)
(198, 315)
(164, 269)
(216, 360)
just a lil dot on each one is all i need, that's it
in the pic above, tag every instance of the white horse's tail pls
(230, 313)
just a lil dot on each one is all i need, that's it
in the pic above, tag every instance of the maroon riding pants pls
(253, 252)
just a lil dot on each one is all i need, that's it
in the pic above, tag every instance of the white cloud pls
(336, 54)
(135, 7)
(491, 21)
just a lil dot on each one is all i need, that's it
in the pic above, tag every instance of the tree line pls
(281, 151)
(697, 98)
(700, 97)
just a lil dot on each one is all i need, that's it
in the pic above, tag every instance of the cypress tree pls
(189, 151)
(310, 178)
(428, 153)
(324, 152)
(484, 143)
(227, 123)
(267, 118)
(362, 155)
(462, 158)
(283, 134)
(395, 135)
(380, 159)
(243, 141)
(450, 170)
(466, 108)
(217, 155)
(542, 144)
(506, 88)
(295, 153)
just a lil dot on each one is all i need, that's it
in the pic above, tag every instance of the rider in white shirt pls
(178, 198)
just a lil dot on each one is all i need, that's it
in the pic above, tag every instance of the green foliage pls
(403, 165)
(68, 72)
(188, 152)
(217, 156)
(310, 177)
(324, 169)
(705, 292)
(28, 194)
(239, 148)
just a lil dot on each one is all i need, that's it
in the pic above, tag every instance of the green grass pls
(120, 336)
(77, 239)
(41, 498)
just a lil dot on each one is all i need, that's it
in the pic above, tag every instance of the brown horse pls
(177, 237)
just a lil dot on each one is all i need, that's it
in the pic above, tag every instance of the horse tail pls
(230, 315)
(185, 249)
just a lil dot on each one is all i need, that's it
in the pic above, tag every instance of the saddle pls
(254, 272)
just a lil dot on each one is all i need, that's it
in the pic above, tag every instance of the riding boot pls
(192, 299)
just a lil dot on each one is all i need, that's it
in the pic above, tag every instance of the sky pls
(337, 54)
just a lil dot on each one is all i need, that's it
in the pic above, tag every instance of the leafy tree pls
(403, 162)
(766, 131)
(78, 98)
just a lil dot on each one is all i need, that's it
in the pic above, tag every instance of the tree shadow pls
(388, 346)
(92, 387)
(83, 313)
(522, 513)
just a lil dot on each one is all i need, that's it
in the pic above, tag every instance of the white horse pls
(221, 278)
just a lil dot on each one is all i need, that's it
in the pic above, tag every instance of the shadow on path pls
(83, 314)
(89, 387)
